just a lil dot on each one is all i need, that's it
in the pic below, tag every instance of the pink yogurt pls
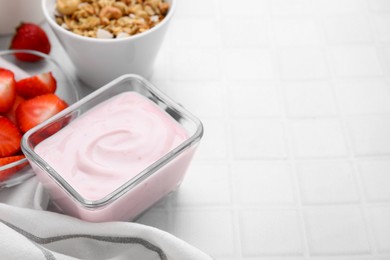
(111, 144)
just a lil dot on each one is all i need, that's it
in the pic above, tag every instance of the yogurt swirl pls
(111, 143)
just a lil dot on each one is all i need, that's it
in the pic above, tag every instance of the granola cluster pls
(110, 18)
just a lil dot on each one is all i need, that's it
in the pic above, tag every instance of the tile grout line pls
(349, 143)
(379, 47)
(365, 203)
(233, 209)
(385, 67)
(290, 157)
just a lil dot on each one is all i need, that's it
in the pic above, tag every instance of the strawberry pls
(10, 137)
(36, 85)
(11, 113)
(7, 90)
(30, 36)
(50, 129)
(34, 111)
(4, 174)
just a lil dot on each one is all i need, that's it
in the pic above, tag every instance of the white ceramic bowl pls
(13, 12)
(98, 61)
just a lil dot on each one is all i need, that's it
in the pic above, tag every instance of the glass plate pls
(66, 90)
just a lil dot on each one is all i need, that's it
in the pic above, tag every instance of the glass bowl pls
(96, 143)
(66, 90)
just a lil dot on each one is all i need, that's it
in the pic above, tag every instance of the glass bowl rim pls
(51, 59)
(63, 72)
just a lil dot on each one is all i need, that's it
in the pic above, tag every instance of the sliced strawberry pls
(10, 137)
(7, 90)
(11, 113)
(5, 174)
(50, 129)
(34, 111)
(36, 85)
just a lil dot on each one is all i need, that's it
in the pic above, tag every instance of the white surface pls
(295, 99)
(14, 12)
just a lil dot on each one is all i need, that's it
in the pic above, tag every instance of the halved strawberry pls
(10, 137)
(11, 113)
(34, 111)
(36, 85)
(4, 174)
(7, 89)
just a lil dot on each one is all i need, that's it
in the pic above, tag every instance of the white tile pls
(363, 96)
(375, 174)
(244, 8)
(355, 61)
(209, 230)
(195, 64)
(353, 257)
(164, 202)
(257, 183)
(336, 230)
(296, 31)
(327, 182)
(157, 218)
(379, 5)
(347, 29)
(244, 32)
(385, 51)
(162, 84)
(203, 8)
(318, 138)
(382, 27)
(288, 7)
(370, 135)
(253, 139)
(202, 98)
(379, 217)
(194, 33)
(254, 100)
(247, 64)
(266, 233)
(205, 184)
(302, 63)
(213, 144)
(340, 6)
(309, 99)
(162, 67)
(276, 257)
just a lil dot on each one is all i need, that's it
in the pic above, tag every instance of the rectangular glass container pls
(139, 193)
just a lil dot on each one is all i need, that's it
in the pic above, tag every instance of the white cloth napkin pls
(28, 231)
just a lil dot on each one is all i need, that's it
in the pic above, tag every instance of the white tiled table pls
(295, 99)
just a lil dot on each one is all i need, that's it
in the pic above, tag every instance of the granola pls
(110, 18)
